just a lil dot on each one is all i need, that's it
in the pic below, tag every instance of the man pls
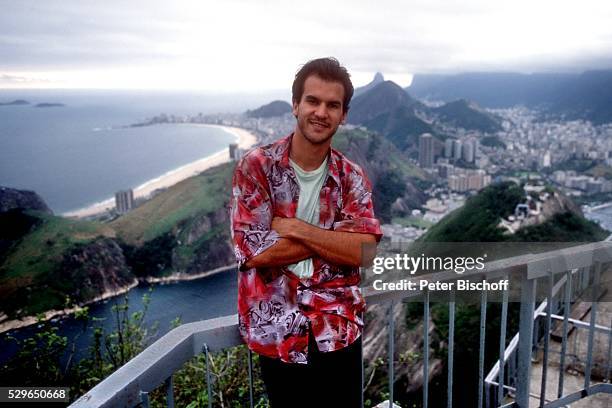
(301, 213)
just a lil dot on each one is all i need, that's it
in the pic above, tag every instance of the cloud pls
(236, 44)
(9, 80)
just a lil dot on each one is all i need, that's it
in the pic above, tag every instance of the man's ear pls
(343, 120)
(295, 108)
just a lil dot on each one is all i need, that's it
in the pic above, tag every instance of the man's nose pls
(321, 110)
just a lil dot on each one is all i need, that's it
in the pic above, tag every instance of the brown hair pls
(328, 69)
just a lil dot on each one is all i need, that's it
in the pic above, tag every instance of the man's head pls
(328, 69)
(322, 91)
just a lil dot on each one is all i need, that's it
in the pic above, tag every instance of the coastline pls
(6, 325)
(244, 138)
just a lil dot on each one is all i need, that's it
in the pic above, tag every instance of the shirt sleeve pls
(357, 208)
(250, 213)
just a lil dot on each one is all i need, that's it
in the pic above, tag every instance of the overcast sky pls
(232, 45)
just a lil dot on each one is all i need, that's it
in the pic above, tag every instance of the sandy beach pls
(245, 140)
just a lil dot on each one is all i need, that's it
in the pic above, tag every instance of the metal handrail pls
(129, 385)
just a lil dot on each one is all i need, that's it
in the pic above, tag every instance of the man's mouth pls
(319, 125)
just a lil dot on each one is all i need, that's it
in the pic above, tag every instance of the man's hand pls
(285, 226)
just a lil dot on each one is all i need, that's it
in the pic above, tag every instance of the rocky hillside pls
(50, 262)
(11, 198)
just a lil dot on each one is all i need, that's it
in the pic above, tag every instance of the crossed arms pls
(301, 240)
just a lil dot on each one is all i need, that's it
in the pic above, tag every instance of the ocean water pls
(602, 216)
(77, 155)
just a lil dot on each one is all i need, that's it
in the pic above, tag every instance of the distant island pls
(49, 105)
(16, 102)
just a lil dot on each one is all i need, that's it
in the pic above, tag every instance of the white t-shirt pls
(310, 183)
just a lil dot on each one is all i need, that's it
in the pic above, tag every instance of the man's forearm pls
(338, 247)
(284, 252)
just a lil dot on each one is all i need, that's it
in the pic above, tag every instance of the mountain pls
(274, 108)
(586, 96)
(489, 89)
(467, 115)
(589, 96)
(388, 109)
(382, 98)
(378, 78)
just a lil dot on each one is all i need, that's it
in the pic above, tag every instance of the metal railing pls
(131, 384)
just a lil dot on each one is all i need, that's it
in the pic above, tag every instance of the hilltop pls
(481, 219)
(274, 108)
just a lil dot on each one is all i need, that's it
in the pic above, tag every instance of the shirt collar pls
(333, 159)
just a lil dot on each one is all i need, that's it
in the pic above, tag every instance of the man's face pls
(320, 111)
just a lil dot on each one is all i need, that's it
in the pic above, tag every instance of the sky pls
(258, 45)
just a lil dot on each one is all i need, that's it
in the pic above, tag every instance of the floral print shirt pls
(275, 307)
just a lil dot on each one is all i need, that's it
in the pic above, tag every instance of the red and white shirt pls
(275, 307)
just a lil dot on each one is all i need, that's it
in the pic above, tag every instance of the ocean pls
(80, 154)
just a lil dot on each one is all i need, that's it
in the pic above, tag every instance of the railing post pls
(481, 347)
(425, 349)
(549, 305)
(594, 294)
(169, 393)
(208, 382)
(566, 312)
(391, 352)
(502, 345)
(144, 399)
(525, 338)
(608, 366)
(451, 349)
(250, 377)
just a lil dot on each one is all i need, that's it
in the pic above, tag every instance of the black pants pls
(331, 379)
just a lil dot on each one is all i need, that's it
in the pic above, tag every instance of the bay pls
(191, 301)
(80, 154)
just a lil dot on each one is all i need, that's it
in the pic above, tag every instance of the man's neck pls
(305, 154)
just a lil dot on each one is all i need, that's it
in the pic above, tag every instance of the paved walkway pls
(575, 364)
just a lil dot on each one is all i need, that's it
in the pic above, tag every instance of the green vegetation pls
(52, 356)
(416, 222)
(387, 193)
(600, 170)
(577, 165)
(39, 250)
(465, 114)
(563, 227)
(492, 141)
(205, 193)
(477, 220)
(32, 279)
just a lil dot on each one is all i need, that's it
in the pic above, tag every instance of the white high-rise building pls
(457, 145)
(448, 148)
(124, 201)
(426, 153)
